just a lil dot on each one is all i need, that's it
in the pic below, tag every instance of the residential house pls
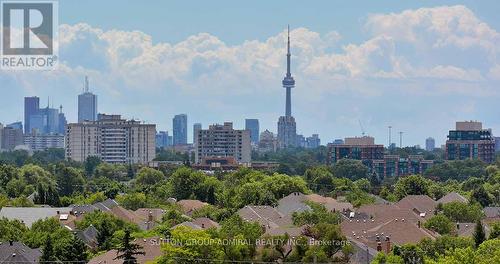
(150, 246)
(201, 223)
(379, 226)
(29, 215)
(17, 252)
(189, 206)
(492, 214)
(88, 236)
(452, 197)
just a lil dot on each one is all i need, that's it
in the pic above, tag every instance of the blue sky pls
(416, 65)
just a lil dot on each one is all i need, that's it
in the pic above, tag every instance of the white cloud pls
(441, 51)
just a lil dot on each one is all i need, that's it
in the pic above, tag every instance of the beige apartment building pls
(222, 141)
(113, 139)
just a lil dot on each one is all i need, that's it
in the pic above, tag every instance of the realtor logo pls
(29, 34)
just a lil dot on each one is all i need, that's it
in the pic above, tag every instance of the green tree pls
(33, 174)
(104, 234)
(462, 212)
(106, 225)
(279, 250)
(184, 181)
(132, 201)
(319, 178)
(479, 235)
(457, 170)
(235, 228)
(91, 164)
(149, 176)
(16, 187)
(11, 230)
(386, 194)
(69, 180)
(318, 214)
(128, 250)
(327, 233)
(46, 194)
(351, 169)
(48, 254)
(315, 253)
(42, 229)
(382, 258)
(495, 230)
(443, 244)
(75, 250)
(173, 216)
(115, 172)
(458, 256)
(196, 244)
(440, 223)
(488, 252)
(7, 173)
(481, 196)
(409, 253)
(411, 185)
(21, 201)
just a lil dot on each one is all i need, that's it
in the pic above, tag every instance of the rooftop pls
(29, 215)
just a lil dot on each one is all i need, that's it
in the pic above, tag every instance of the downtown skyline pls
(377, 78)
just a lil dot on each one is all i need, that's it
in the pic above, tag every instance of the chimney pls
(379, 246)
(150, 216)
(458, 226)
(57, 212)
(418, 224)
(388, 241)
(203, 226)
(11, 242)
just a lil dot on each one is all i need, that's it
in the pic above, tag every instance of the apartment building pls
(224, 143)
(113, 139)
(470, 141)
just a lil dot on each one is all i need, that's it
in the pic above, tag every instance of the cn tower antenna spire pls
(288, 55)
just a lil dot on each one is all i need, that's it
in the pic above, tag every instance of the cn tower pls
(288, 81)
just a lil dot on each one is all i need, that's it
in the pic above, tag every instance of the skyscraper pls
(253, 126)
(196, 128)
(16, 125)
(87, 104)
(287, 134)
(31, 106)
(62, 121)
(42, 120)
(162, 139)
(313, 141)
(430, 144)
(180, 129)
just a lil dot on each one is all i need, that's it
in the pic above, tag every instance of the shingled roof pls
(267, 216)
(419, 204)
(189, 206)
(29, 215)
(88, 236)
(16, 252)
(399, 224)
(452, 197)
(151, 246)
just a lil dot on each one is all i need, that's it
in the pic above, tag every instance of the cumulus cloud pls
(442, 50)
